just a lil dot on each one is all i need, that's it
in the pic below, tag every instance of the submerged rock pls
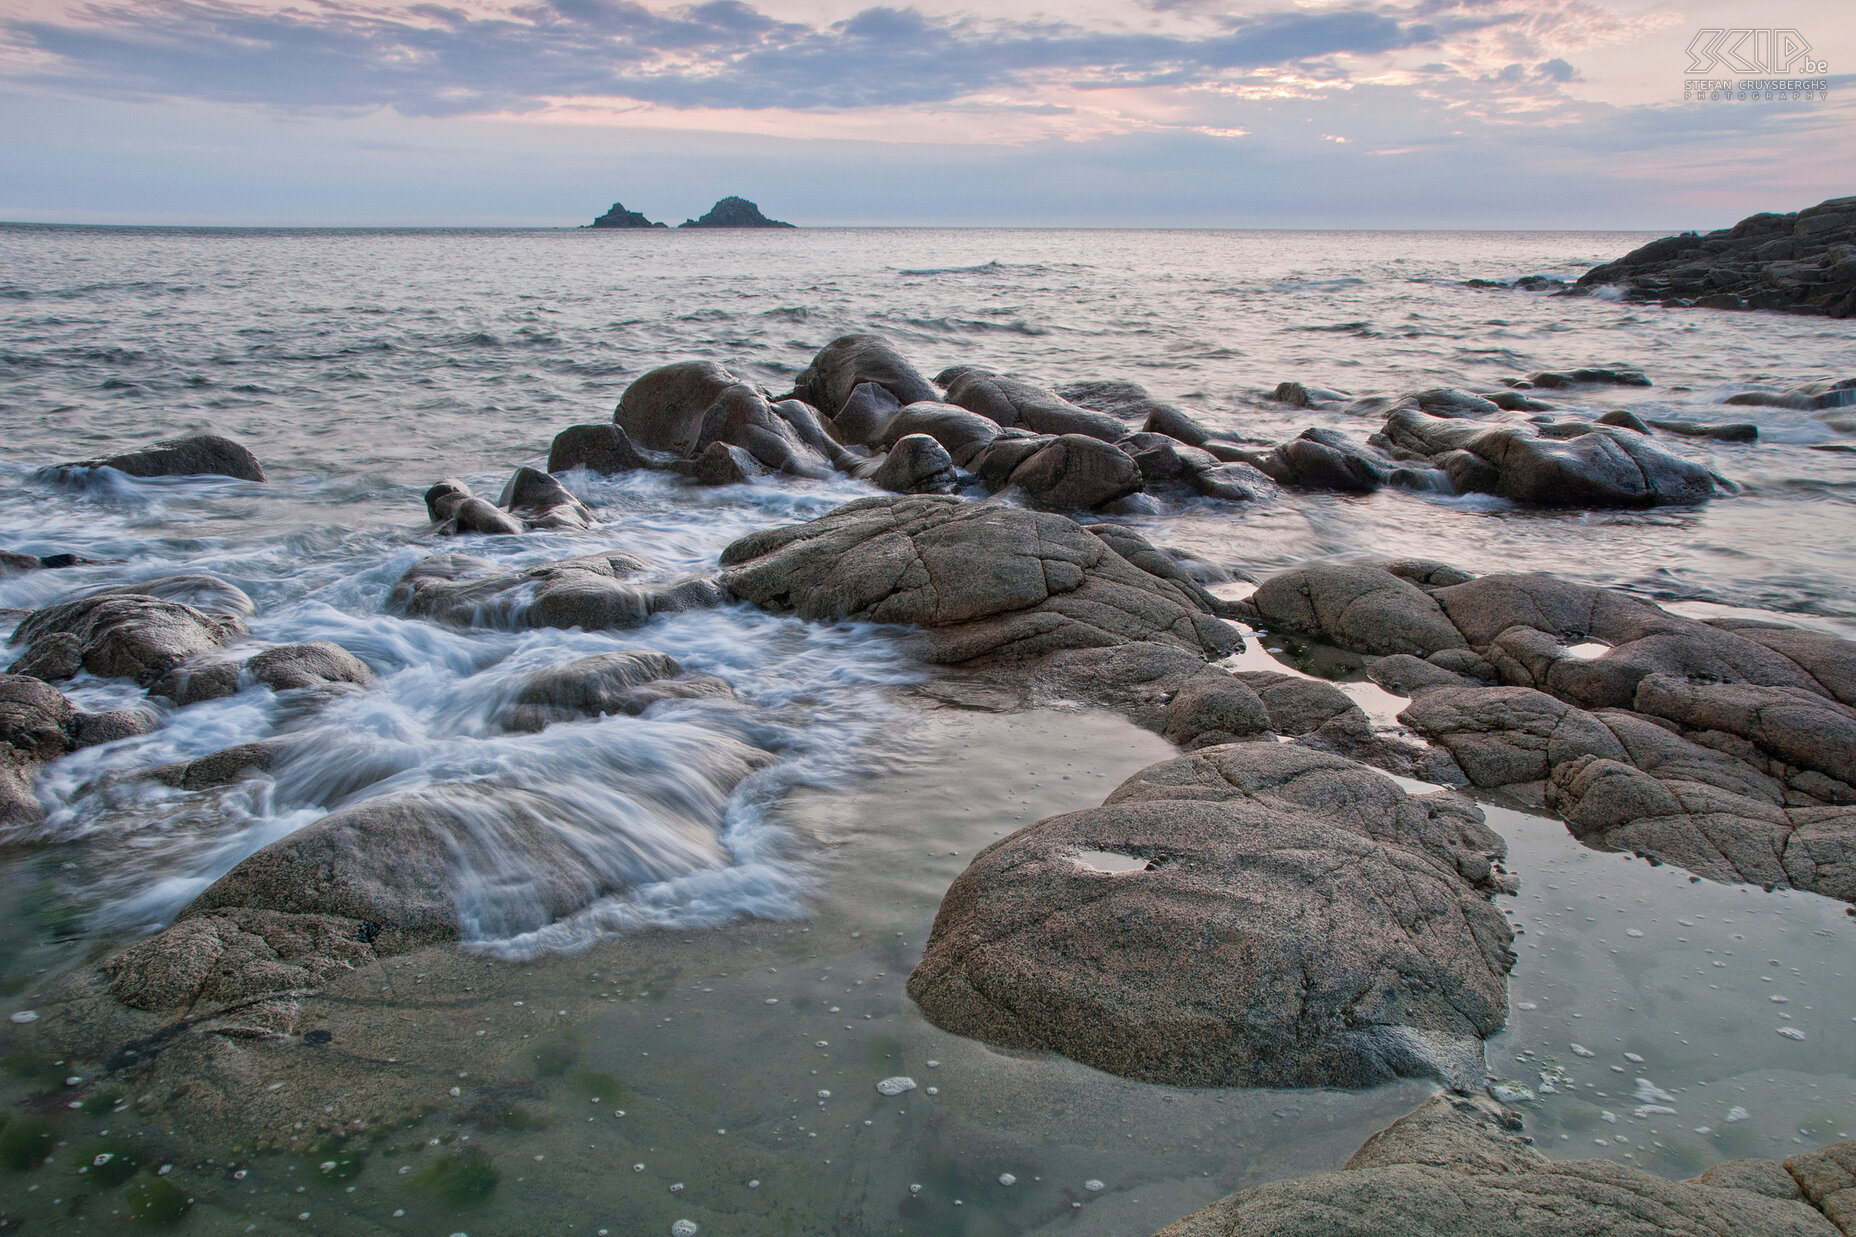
(38, 725)
(593, 592)
(1295, 920)
(35, 723)
(12, 563)
(193, 456)
(1729, 431)
(1591, 376)
(1461, 1166)
(316, 666)
(627, 682)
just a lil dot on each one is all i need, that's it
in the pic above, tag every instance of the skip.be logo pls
(1749, 50)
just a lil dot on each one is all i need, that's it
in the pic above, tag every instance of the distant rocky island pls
(1798, 263)
(730, 212)
(619, 217)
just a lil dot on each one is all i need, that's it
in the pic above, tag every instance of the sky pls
(1097, 113)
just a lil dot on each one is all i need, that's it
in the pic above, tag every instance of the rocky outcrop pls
(594, 592)
(115, 634)
(1721, 747)
(530, 500)
(1801, 263)
(852, 363)
(319, 666)
(604, 449)
(539, 501)
(458, 861)
(732, 212)
(1461, 1166)
(1592, 466)
(627, 682)
(196, 455)
(685, 408)
(982, 580)
(619, 217)
(38, 725)
(1075, 472)
(1255, 914)
(454, 509)
(1133, 405)
(917, 464)
(1013, 402)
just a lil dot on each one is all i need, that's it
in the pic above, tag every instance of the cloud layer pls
(432, 60)
(1363, 110)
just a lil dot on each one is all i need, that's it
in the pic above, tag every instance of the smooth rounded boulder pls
(1256, 914)
(197, 455)
(663, 409)
(848, 362)
(917, 464)
(1074, 472)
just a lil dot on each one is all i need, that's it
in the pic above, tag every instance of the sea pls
(745, 993)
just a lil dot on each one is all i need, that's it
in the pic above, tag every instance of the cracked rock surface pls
(1724, 747)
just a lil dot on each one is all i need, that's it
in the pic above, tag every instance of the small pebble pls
(1790, 1032)
(25, 1015)
(915, 1189)
(901, 1083)
(1007, 1179)
(1093, 1185)
(683, 1228)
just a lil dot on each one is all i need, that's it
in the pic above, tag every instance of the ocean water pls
(362, 366)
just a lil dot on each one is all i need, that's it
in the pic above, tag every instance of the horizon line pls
(823, 227)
